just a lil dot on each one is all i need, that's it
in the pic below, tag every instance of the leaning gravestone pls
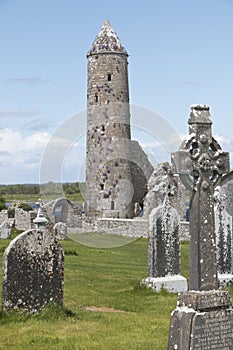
(33, 272)
(203, 319)
(164, 241)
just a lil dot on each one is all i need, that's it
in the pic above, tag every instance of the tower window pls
(103, 128)
(109, 77)
(101, 187)
(96, 97)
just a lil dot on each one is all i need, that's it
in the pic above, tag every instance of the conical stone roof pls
(106, 41)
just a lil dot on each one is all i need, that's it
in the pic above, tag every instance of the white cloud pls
(74, 163)
(37, 125)
(20, 156)
(15, 143)
(226, 145)
(23, 112)
(29, 81)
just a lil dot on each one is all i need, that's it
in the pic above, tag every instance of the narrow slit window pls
(96, 97)
(103, 128)
(109, 77)
(101, 187)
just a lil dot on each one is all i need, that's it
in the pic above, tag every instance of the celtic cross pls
(200, 162)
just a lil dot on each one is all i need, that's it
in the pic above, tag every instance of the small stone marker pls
(60, 229)
(203, 319)
(5, 230)
(164, 244)
(33, 272)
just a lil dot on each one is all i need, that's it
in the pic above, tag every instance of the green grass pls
(127, 316)
(35, 197)
(101, 240)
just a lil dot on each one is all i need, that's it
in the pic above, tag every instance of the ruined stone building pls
(117, 169)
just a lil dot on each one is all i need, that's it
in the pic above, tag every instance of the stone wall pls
(141, 170)
(124, 227)
(24, 219)
(137, 227)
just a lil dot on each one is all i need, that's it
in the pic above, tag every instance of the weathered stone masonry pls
(111, 185)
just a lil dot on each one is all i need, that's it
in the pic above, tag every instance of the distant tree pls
(25, 206)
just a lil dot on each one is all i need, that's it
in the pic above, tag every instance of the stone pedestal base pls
(225, 279)
(173, 284)
(202, 321)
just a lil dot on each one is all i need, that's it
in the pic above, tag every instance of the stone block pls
(204, 300)
(173, 284)
(225, 279)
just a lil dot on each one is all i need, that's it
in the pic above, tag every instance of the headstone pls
(227, 188)
(60, 230)
(157, 190)
(33, 272)
(223, 229)
(164, 244)
(203, 318)
(5, 230)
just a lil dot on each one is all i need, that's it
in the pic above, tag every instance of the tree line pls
(48, 188)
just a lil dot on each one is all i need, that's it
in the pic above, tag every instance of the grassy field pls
(35, 197)
(104, 306)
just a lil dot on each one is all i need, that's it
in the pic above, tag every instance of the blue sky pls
(180, 53)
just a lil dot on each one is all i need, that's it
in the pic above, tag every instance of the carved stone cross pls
(200, 162)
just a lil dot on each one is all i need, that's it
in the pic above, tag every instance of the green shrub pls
(2, 203)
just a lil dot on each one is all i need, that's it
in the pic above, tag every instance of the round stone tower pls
(109, 182)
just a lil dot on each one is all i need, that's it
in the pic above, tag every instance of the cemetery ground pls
(104, 306)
